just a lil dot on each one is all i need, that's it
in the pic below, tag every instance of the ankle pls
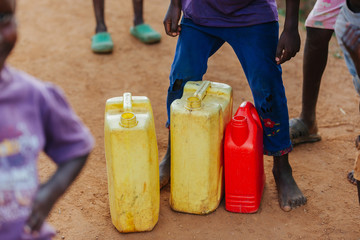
(310, 122)
(138, 21)
(281, 165)
(100, 28)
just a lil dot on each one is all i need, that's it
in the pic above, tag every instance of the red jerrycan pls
(244, 161)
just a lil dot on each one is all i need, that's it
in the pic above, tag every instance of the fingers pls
(279, 53)
(172, 28)
(167, 25)
(35, 221)
(33, 224)
(284, 56)
(288, 46)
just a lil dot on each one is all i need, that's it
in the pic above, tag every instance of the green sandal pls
(145, 33)
(102, 43)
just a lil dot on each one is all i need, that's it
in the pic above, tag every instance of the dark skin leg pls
(315, 59)
(289, 194)
(354, 5)
(164, 167)
(99, 16)
(99, 6)
(138, 12)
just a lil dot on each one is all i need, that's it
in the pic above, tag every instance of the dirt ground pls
(54, 45)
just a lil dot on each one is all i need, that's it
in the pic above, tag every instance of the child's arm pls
(289, 42)
(351, 41)
(51, 191)
(172, 17)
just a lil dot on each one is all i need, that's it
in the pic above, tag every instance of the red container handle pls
(251, 110)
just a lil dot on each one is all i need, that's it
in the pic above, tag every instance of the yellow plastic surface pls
(197, 126)
(132, 164)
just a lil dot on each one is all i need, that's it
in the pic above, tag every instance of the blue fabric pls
(255, 47)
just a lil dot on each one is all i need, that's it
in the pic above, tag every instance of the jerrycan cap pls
(239, 121)
(193, 103)
(128, 120)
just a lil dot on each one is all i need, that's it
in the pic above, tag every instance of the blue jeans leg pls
(193, 49)
(255, 46)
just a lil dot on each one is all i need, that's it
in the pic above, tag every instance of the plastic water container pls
(197, 126)
(244, 162)
(132, 163)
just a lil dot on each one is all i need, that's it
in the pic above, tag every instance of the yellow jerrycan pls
(132, 163)
(197, 127)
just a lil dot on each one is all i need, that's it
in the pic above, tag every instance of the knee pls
(177, 85)
(317, 38)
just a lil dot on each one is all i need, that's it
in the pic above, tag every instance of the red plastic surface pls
(244, 161)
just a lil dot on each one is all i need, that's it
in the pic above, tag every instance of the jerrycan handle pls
(195, 101)
(252, 110)
(127, 105)
(128, 118)
(201, 92)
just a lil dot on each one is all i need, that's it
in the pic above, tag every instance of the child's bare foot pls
(164, 169)
(289, 194)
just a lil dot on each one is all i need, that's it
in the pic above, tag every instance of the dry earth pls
(54, 45)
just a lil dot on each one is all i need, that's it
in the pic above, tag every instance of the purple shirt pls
(230, 13)
(34, 117)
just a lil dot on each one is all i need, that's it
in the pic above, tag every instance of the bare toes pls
(286, 208)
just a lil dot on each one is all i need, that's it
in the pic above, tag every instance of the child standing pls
(251, 28)
(34, 117)
(319, 29)
(347, 29)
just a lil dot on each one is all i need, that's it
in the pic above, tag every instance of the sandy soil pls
(54, 45)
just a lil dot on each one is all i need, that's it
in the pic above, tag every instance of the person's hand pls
(41, 207)
(288, 46)
(171, 20)
(351, 40)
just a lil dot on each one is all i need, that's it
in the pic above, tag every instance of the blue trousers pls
(255, 47)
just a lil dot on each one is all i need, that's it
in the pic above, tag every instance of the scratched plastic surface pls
(244, 163)
(132, 163)
(198, 123)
